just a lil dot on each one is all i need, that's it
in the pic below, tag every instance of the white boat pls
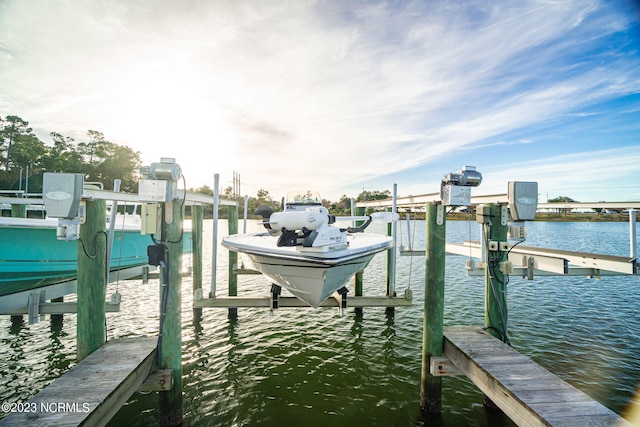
(305, 253)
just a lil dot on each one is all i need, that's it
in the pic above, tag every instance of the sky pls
(341, 96)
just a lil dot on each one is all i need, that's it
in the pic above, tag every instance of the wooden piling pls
(433, 320)
(170, 402)
(92, 279)
(197, 215)
(232, 215)
(495, 290)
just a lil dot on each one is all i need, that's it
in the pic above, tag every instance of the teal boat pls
(32, 257)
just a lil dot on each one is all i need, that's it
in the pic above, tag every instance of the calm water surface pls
(315, 368)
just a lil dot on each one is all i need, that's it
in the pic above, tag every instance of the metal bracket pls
(504, 214)
(531, 262)
(276, 290)
(168, 212)
(443, 367)
(341, 297)
(439, 214)
(161, 380)
(33, 306)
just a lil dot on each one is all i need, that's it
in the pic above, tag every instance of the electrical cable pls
(163, 307)
(182, 203)
(492, 265)
(106, 272)
(95, 245)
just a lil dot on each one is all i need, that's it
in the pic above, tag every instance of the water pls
(315, 368)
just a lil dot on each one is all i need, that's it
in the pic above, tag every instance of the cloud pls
(586, 177)
(311, 93)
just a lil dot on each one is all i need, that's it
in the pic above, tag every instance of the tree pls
(341, 207)
(63, 155)
(262, 199)
(562, 199)
(104, 162)
(205, 189)
(263, 195)
(373, 195)
(14, 131)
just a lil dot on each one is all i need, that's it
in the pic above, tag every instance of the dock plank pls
(525, 391)
(91, 392)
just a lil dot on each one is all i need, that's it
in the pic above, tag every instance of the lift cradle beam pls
(266, 302)
(555, 261)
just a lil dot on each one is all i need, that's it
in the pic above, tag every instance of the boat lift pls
(274, 300)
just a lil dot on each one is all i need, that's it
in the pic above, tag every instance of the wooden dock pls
(93, 391)
(526, 392)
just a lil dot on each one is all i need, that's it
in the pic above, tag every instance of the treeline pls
(341, 207)
(97, 158)
(22, 153)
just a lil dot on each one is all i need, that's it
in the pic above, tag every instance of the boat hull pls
(31, 256)
(310, 275)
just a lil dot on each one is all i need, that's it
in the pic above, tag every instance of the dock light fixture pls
(61, 194)
(455, 189)
(523, 200)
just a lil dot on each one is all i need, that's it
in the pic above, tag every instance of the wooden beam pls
(63, 308)
(525, 391)
(95, 389)
(363, 301)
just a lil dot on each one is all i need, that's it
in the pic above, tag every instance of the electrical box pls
(523, 200)
(154, 190)
(159, 181)
(61, 193)
(517, 231)
(456, 195)
(483, 214)
(455, 188)
(150, 219)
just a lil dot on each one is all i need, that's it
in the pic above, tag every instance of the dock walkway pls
(526, 392)
(91, 392)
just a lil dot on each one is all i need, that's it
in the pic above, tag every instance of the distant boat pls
(304, 252)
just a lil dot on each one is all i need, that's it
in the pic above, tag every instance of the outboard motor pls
(265, 212)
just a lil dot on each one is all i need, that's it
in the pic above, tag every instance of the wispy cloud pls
(600, 175)
(317, 94)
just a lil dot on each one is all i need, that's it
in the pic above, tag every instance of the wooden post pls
(232, 215)
(433, 320)
(170, 402)
(92, 279)
(495, 289)
(197, 215)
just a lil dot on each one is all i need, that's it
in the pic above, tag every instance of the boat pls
(35, 258)
(305, 252)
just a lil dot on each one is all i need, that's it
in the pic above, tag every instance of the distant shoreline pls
(569, 217)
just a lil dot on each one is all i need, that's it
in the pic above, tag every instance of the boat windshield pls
(304, 197)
